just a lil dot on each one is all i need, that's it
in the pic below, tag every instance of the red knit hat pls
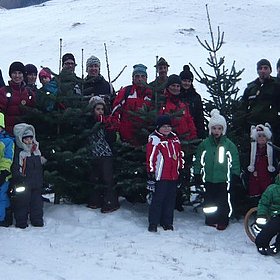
(44, 73)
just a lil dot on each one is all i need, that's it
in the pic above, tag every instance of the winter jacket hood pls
(19, 130)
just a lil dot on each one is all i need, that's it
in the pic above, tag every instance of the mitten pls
(3, 175)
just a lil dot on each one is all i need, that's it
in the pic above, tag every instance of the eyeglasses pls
(70, 63)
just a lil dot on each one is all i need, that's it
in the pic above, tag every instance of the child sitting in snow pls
(268, 217)
(27, 177)
(164, 161)
(216, 166)
(261, 162)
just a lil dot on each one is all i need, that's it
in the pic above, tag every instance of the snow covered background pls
(78, 243)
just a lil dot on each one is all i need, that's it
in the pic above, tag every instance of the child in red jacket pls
(261, 169)
(164, 161)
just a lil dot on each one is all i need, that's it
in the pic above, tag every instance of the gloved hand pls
(151, 182)
(151, 185)
(3, 176)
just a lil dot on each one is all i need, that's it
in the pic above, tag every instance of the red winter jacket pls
(261, 178)
(13, 106)
(130, 101)
(183, 124)
(164, 156)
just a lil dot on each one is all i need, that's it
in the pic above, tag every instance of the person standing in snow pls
(6, 159)
(101, 140)
(69, 84)
(15, 97)
(216, 166)
(164, 159)
(158, 85)
(30, 77)
(95, 84)
(189, 95)
(132, 99)
(261, 168)
(268, 219)
(46, 96)
(261, 101)
(27, 177)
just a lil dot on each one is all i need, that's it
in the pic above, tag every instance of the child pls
(261, 162)
(217, 157)
(6, 158)
(27, 172)
(46, 97)
(106, 197)
(164, 161)
(268, 217)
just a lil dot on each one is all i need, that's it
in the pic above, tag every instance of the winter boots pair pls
(108, 203)
(153, 227)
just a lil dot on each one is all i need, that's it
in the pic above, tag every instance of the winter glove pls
(151, 182)
(3, 176)
(151, 185)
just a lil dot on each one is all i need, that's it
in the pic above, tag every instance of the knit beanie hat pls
(278, 63)
(93, 60)
(186, 74)
(68, 56)
(263, 62)
(30, 69)
(96, 100)
(217, 119)
(2, 120)
(162, 120)
(139, 69)
(255, 132)
(173, 79)
(16, 66)
(44, 73)
(162, 61)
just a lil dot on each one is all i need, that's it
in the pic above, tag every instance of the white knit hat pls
(255, 132)
(217, 119)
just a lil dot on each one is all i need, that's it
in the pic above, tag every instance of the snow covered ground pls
(78, 243)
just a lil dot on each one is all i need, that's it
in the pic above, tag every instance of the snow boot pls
(152, 228)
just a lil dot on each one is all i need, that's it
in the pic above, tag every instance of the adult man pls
(261, 100)
(95, 84)
(158, 84)
(131, 99)
(67, 80)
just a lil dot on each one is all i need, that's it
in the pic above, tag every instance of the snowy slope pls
(80, 244)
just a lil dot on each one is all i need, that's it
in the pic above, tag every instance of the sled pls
(250, 225)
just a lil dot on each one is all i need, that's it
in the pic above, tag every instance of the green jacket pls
(269, 204)
(213, 168)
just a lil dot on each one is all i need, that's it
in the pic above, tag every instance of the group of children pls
(216, 166)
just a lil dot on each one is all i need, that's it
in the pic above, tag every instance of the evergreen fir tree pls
(222, 88)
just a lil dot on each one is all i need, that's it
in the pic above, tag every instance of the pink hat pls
(44, 73)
